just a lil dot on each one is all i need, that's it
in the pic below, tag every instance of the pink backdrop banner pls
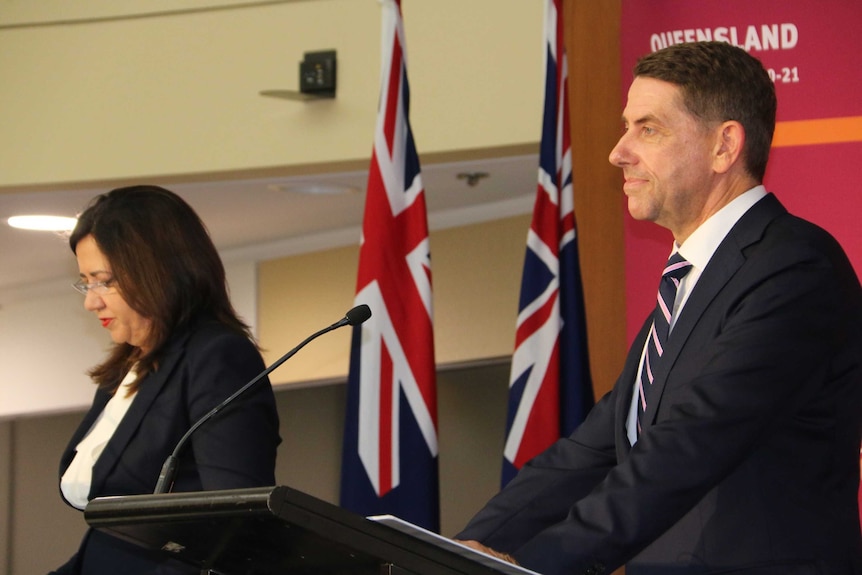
(813, 51)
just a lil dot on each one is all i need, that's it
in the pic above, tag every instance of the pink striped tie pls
(674, 271)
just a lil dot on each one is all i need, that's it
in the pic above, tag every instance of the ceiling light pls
(314, 189)
(43, 223)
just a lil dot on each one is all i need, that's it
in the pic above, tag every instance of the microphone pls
(354, 317)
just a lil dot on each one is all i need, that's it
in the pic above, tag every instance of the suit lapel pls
(99, 401)
(725, 262)
(147, 392)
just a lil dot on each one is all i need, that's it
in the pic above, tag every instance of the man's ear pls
(730, 139)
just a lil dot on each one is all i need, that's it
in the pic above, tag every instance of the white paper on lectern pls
(450, 545)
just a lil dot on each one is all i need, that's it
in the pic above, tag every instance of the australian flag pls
(550, 391)
(389, 462)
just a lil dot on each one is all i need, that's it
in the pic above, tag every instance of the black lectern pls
(279, 530)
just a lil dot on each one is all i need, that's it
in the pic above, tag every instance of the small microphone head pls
(358, 315)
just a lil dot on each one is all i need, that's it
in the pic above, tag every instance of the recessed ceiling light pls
(43, 223)
(314, 189)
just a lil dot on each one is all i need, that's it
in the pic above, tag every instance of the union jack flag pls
(550, 391)
(389, 462)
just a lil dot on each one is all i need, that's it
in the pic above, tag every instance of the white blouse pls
(75, 483)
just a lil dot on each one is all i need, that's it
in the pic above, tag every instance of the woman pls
(151, 275)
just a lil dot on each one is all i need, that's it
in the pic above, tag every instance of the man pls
(731, 444)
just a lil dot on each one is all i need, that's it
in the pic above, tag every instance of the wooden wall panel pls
(593, 48)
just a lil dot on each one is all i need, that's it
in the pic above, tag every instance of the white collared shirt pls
(76, 481)
(698, 250)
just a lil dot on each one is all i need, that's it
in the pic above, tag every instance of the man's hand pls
(488, 551)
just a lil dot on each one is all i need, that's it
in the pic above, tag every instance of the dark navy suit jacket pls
(198, 370)
(748, 462)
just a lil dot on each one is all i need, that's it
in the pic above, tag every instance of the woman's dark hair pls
(720, 82)
(164, 265)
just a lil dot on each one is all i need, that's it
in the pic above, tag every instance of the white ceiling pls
(262, 219)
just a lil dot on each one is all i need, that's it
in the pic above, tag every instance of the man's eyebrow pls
(646, 118)
(640, 120)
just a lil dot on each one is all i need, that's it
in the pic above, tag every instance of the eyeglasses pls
(98, 288)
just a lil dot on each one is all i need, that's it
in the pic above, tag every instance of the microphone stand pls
(354, 317)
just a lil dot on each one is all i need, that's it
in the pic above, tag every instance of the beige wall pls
(476, 277)
(176, 94)
(44, 529)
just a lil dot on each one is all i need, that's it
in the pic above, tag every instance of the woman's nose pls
(93, 302)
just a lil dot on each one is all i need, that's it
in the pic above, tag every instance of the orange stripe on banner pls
(826, 131)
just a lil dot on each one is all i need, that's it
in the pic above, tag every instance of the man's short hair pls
(721, 82)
